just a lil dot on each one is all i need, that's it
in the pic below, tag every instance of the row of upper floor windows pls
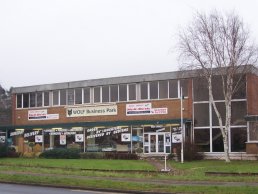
(104, 94)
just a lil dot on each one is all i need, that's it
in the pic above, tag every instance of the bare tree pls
(218, 44)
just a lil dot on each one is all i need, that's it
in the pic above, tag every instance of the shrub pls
(191, 152)
(92, 155)
(121, 156)
(3, 151)
(61, 153)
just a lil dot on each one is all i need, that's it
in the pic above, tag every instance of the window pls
(62, 97)
(19, 100)
(163, 89)
(217, 141)
(222, 111)
(123, 92)
(96, 94)
(202, 139)
(39, 99)
(173, 89)
(201, 115)
(46, 98)
(132, 91)
(144, 91)
(200, 88)
(56, 97)
(70, 96)
(32, 99)
(253, 131)
(154, 90)
(238, 139)
(238, 113)
(86, 95)
(25, 100)
(105, 93)
(78, 96)
(184, 85)
(113, 93)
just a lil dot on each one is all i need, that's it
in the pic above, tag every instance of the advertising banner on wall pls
(144, 109)
(91, 111)
(41, 115)
(62, 139)
(38, 138)
(79, 138)
(125, 137)
(2, 139)
(176, 138)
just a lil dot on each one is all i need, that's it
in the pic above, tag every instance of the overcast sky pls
(49, 41)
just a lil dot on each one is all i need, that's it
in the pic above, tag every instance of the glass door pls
(160, 143)
(153, 143)
(157, 143)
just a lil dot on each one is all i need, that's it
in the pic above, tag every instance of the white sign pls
(91, 111)
(125, 137)
(144, 109)
(95, 132)
(176, 138)
(62, 139)
(138, 109)
(79, 138)
(38, 138)
(33, 133)
(2, 139)
(20, 132)
(41, 115)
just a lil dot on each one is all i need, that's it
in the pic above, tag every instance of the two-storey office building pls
(141, 113)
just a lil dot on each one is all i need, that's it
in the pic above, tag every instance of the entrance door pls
(155, 143)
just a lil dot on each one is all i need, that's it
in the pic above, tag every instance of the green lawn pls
(191, 171)
(79, 163)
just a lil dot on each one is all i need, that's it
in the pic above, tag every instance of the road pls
(24, 189)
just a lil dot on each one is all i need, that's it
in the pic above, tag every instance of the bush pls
(61, 153)
(3, 151)
(92, 155)
(121, 156)
(191, 152)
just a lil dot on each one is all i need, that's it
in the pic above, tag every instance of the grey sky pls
(52, 41)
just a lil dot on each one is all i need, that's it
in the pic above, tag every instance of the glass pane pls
(152, 143)
(161, 143)
(46, 98)
(70, 96)
(62, 97)
(114, 93)
(217, 141)
(132, 92)
(238, 113)
(39, 99)
(144, 90)
(55, 97)
(200, 89)
(222, 111)
(154, 90)
(240, 93)
(78, 96)
(201, 115)
(97, 94)
(123, 92)
(19, 100)
(202, 139)
(32, 99)
(238, 139)
(163, 89)
(184, 85)
(105, 93)
(86, 95)
(217, 88)
(173, 89)
(26, 100)
(253, 130)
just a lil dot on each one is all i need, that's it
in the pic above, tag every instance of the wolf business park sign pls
(91, 111)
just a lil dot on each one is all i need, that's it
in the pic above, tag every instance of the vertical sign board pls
(79, 138)
(62, 139)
